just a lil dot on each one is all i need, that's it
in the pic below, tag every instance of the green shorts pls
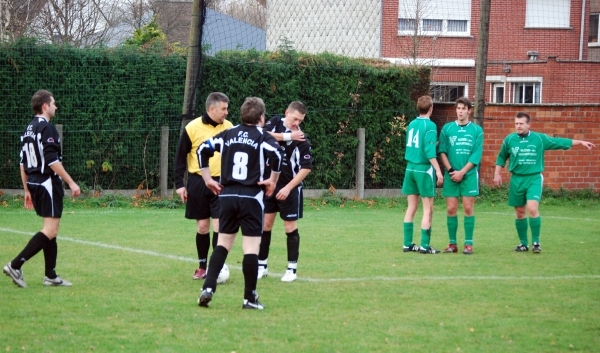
(524, 188)
(469, 186)
(419, 179)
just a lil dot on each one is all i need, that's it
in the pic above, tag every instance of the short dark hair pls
(214, 98)
(40, 98)
(465, 101)
(524, 115)
(423, 104)
(297, 106)
(252, 109)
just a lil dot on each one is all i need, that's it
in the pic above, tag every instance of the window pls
(448, 92)
(434, 17)
(548, 14)
(406, 24)
(526, 92)
(594, 31)
(498, 92)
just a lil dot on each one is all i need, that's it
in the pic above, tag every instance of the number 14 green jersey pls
(421, 141)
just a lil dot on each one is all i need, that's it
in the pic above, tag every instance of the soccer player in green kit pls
(422, 175)
(525, 151)
(460, 150)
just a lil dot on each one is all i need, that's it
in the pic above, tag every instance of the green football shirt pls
(526, 154)
(421, 141)
(462, 144)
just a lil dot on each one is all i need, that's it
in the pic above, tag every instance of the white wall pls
(350, 27)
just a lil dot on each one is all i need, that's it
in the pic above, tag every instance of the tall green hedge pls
(112, 103)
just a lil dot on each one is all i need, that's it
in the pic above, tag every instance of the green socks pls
(408, 233)
(521, 225)
(425, 238)
(536, 225)
(452, 223)
(469, 229)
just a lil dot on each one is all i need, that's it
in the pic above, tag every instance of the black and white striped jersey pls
(297, 153)
(244, 150)
(40, 147)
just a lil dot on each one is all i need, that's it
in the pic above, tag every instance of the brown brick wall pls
(577, 168)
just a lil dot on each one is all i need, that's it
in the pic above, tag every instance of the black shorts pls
(47, 194)
(201, 202)
(243, 207)
(289, 209)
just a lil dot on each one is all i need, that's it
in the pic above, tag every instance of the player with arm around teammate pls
(42, 174)
(421, 176)
(460, 150)
(287, 198)
(244, 151)
(525, 151)
(201, 203)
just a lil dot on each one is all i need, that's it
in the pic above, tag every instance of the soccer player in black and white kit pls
(287, 199)
(244, 150)
(42, 174)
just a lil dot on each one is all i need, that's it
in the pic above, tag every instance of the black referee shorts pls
(289, 209)
(242, 206)
(201, 202)
(47, 194)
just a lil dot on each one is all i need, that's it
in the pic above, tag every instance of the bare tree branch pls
(16, 17)
(77, 22)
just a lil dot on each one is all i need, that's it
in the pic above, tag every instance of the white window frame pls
(443, 33)
(437, 10)
(514, 81)
(465, 86)
(549, 14)
(495, 86)
(496, 81)
(597, 42)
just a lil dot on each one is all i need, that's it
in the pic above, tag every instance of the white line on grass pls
(322, 280)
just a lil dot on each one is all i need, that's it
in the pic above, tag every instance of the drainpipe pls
(582, 30)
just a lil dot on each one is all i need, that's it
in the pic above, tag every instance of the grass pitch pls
(357, 291)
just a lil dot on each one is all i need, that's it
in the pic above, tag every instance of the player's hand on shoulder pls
(298, 136)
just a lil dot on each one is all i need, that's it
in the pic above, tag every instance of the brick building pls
(540, 51)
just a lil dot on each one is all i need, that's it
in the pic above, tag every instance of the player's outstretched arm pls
(289, 136)
(587, 144)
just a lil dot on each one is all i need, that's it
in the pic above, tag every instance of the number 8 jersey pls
(244, 150)
(40, 147)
